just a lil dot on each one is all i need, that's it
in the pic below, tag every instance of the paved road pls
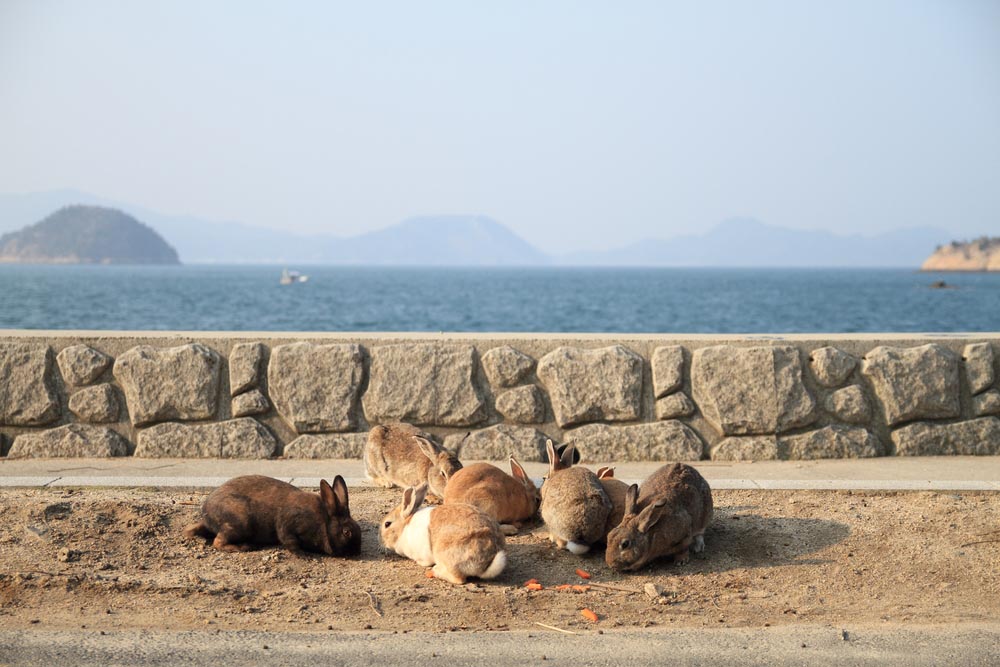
(966, 645)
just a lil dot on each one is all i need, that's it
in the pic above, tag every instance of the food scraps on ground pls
(589, 615)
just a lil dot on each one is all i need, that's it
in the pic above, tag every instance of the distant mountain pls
(982, 254)
(746, 242)
(87, 235)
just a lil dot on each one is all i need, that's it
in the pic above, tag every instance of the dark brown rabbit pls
(666, 518)
(254, 510)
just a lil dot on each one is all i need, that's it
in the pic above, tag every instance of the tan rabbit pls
(667, 518)
(257, 510)
(575, 506)
(458, 540)
(402, 455)
(510, 499)
(616, 490)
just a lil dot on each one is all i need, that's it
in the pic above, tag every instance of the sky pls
(579, 125)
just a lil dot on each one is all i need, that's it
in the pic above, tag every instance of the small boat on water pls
(291, 277)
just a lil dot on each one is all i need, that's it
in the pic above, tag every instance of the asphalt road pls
(966, 645)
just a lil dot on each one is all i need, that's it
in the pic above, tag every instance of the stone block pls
(746, 448)
(969, 438)
(327, 446)
(831, 367)
(979, 366)
(97, 404)
(592, 385)
(315, 388)
(674, 406)
(498, 442)
(505, 366)
(656, 441)
(986, 403)
(27, 395)
(174, 383)
(522, 404)
(242, 438)
(830, 442)
(251, 403)
(849, 404)
(424, 384)
(71, 440)
(245, 360)
(81, 364)
(914, 383)
(668, 370)
(751, 390)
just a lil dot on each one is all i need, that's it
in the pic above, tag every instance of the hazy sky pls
(577, 124)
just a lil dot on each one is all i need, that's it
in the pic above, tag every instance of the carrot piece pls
(589, 615)
(581, 589)
(531, 581)
(583, 574)
(562, 587)
(429, 574)
(534, 587)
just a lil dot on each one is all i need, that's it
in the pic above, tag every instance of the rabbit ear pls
(607, 472)
(567, 456)
(516, 470)
(413, 497)
(427, 447)
(340, 495)
(327, 496)
(649, 516)
(554, 462)
(632, 499)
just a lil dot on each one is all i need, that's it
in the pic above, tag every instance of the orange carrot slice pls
(589, 615)
(429, 574)
(534, 587)
(562, 587)
(531, 581)
(583, 574)
(581, 589)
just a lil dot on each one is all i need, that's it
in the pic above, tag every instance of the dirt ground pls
(112, 559)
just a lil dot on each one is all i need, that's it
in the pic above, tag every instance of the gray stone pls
(986, 403)
(243, 438)
(656, 441)
(327, 446)
(747, 448)
(849, 404)
(674, 406)
(914, 383)
(174, 383)
(71, 440)
(592, 385)
(97, 404)
(315, 388)
(251, 403)
(976, 437)
(979, 366)
(830, 442)
(27, 396)
(523, 404)
(81, 364)
(668, 369)
(505, 366)
(424, 384)
(498, 442)
(245, 360)
(831, 367)
(751, 390)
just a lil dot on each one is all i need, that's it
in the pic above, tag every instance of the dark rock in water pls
(940, 284)
(87, 235)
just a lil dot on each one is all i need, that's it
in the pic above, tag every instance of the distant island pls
(982, 254)
(87, 235)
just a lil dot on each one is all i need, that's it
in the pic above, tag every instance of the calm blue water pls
(557, 300)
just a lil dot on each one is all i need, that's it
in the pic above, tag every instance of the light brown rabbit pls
(667, 518)
(510, 499)
(403, 455)
(257, 510)
(575, 506)
(458, 540)
(616, 490)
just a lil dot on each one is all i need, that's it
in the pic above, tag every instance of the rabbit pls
(667, 518)
(257, 510)
(510, 499)
(402, 455)
(575, 506)
(616, 490)
(459, 540)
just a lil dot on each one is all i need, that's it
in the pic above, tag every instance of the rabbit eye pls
(626, 544)
(346, 532)
(387, 524)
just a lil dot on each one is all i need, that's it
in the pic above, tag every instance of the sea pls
(598, 300)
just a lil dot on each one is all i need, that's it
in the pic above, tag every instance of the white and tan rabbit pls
(667, 517)
(403, 455)
(575, 506)
(458, 540)
(510, 499)
(616, 490)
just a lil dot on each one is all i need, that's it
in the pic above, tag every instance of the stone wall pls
(616, 397)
